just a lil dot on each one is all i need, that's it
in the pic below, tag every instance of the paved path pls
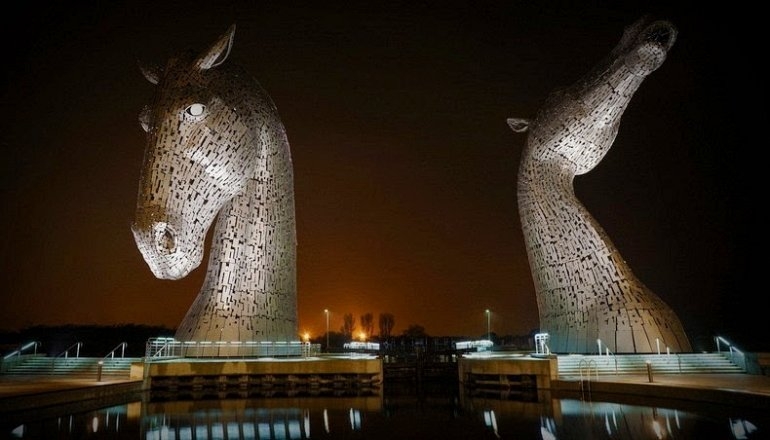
(729, 382)
(12, 386)
(734, 389)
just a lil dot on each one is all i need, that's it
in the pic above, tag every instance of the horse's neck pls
(557, 226)
(549, 209)
(257, 224)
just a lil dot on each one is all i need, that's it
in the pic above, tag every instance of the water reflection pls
(440, 412)
(247, 419)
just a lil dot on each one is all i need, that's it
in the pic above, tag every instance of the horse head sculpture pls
(216, 149)
(585, 290)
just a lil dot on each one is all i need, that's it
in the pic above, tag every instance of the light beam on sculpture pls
(585, 290)
(216, 148)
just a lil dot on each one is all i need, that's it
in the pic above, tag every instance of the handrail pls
(164, 348)
(65, 353)
(21, 349)
(609, 352)
(728, 343)
(733, 349)
(587, 364)
(111, 354)
(163, 342)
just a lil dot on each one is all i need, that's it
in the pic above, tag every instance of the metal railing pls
(121, 346)
(736, 356)
(167, 348)
(15, 357)
(22, 349)
(585, 384)
(65, 353)
(609, 354)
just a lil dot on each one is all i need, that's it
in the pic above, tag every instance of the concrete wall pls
(232, 367)
(544, 369)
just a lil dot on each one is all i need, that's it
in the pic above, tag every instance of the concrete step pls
(82, 366)
(574, 365)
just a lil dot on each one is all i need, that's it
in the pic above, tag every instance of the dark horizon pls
(404, 166)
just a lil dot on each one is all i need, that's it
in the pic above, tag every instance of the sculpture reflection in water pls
(446, 417)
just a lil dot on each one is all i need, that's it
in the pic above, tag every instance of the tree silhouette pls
(367, 324)
(348, 325)
(387, 321)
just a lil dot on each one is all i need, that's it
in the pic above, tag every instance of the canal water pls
(402, 411)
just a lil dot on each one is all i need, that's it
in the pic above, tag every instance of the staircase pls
(703, 363)
(569, 365)
(112, 368)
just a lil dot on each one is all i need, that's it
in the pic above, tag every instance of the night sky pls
(404, 165)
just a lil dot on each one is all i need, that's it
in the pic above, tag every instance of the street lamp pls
(489, 336)
(326, 311)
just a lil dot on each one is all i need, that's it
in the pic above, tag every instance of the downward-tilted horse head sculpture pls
(216, 149)
(585, 290)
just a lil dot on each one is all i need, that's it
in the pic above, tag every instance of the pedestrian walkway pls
(11, 386)
(19, 393)
(729, 388)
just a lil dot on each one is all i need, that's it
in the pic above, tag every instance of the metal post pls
(649, 371)
(326, 311)
(99, 371)
(489, 331)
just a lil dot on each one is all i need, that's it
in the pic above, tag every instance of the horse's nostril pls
(165, 239)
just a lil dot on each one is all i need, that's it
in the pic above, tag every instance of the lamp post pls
(489, 336)
(326, 311)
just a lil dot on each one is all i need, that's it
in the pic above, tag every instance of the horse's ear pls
(519, 125)
(151, 73)
(144, 118)
(217, 53)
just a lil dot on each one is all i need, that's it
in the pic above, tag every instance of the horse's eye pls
(195, 109)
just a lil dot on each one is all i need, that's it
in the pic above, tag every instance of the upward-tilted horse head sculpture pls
(585, 290)
(216, 148)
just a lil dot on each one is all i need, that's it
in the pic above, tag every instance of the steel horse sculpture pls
(216, 148)
(587, 295)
